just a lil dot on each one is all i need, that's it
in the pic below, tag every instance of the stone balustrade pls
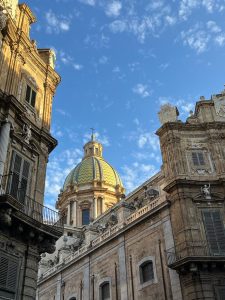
(108, 233)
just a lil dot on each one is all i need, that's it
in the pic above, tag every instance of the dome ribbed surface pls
(93, 168)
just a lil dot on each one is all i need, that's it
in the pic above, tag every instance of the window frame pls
(216, 240)
(20, 175)
(149, 282)
(32, 90)
(17, 261)
(82, 217)
(101, 283)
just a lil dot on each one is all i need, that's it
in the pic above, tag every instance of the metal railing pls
(190, 249)
(29, 207)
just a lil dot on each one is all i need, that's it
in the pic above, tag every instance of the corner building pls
(166, 239)
(27, 85)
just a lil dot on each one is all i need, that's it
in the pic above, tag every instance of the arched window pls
(105, 291)
(85, 216)
(146, 271)
(73, 298)
(99, 206)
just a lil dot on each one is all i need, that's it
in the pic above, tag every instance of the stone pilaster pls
(4, 142)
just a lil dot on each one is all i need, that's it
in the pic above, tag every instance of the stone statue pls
(206, 191)
(168, 113)
(27, 133)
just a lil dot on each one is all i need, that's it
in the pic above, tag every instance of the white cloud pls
(77, 67)
(196, 38)
(142, 90)
(213, 27)
(134, 175)
(56, 24)
(220, 39)
(200, 36)
(58, 168)
(187, 6)
(116, 69)
(88, 2)
(103, 60)
(69, 61)
(113, 9)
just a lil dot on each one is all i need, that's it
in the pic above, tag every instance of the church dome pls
(93, 168)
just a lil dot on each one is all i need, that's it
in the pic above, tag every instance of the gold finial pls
(92, 134)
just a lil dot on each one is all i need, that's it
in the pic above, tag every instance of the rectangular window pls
(99, 206)
(9, 269)
(19, 175)
(30, 96)
(215, 234)
(220, 292)
(198, 158)
(85, 216)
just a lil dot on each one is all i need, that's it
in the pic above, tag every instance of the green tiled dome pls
(93, 168)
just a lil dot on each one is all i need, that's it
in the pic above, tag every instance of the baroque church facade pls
(164, 240)
(27, 85)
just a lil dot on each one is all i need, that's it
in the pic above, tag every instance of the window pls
(99, 206)
(105, 291)
(220, 292)
(146, 271)
(30, 96)
(9, 269)
(214, 229)
(198, 158)
(18, 180)
(85, 216)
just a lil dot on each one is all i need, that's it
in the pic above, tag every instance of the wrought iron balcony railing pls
(192, 250)
(31, 208)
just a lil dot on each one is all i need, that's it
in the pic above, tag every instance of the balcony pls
(193, 252)
(32, 211)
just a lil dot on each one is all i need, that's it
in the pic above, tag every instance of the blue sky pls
(119, 61)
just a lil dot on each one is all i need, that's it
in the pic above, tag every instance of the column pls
(4, 143)
(68, 215)
(174, 277)
(122, 271)
(86, 282)
(59, 284)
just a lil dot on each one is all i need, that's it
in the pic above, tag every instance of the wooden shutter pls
(220, 292)
(9, 268)
(24, 180)
(19, 177)
(15, 174)
(215, 234)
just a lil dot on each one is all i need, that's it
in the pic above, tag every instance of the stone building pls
(166, 239)
(27, 84)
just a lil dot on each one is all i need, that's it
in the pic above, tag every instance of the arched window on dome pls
(85, 216)
(99, 206)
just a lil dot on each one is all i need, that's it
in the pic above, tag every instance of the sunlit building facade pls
(166, 239)
(27, 85)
